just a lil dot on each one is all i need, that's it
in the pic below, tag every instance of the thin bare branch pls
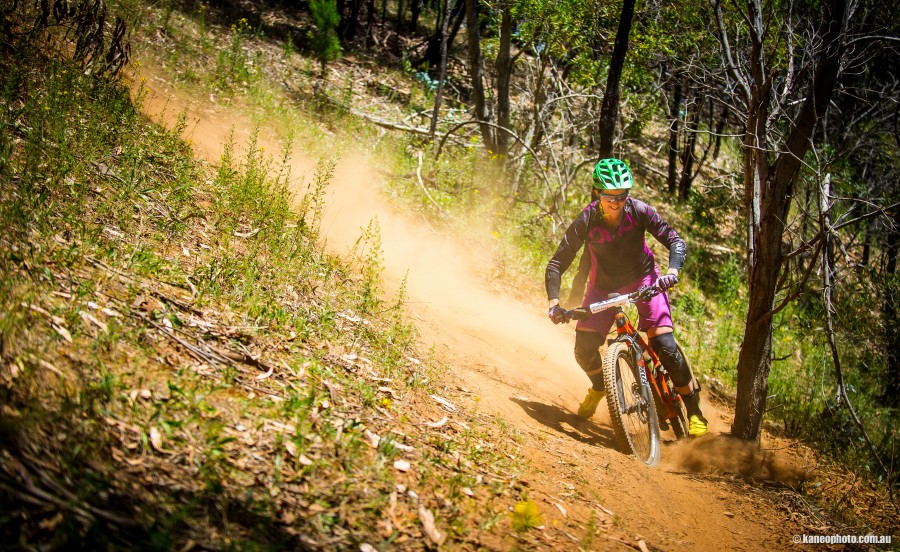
(503, 129)
(730, 66)
(828, 231)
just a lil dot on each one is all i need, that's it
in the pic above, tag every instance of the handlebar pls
(581, 313)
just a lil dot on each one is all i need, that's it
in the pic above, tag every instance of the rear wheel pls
(631, 405)
(678, 424)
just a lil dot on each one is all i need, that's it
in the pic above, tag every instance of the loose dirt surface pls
(511, 363)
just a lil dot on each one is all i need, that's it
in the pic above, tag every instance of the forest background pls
(770, 128)
(767, 132)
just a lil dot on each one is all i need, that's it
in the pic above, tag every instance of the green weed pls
(367, 254)
(233, 66)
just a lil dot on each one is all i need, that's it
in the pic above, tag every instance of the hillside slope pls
(205, 343)
(511, 365)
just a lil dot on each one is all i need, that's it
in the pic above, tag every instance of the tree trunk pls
(609, 110)
(352, 22)
(754, 359)
(891, 318)
(401, 7)
(892, 350)
(803, 258)
(341, 6)
(504, 77)
(415, 10)
(432, 55)
(867, 244)
(539, 105)
(674, 116)
(459, 13)
(720, 128)
(691, 123)
(370, 23)
(438, 96)
(893, 246)
(476, 71)
(767, 195)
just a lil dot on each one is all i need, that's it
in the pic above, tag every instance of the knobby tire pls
(631, 405)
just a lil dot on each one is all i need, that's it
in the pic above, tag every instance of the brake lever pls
(647, 292)
(579, 313)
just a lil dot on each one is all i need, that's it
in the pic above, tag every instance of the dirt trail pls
(508, 354)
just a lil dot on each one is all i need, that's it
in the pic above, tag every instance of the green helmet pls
(612, 174)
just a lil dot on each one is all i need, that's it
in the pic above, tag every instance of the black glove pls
(557, 314)
(666, 282)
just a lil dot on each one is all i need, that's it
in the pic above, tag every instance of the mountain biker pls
(613, 227)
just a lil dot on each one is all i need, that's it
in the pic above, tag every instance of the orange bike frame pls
(659, 384)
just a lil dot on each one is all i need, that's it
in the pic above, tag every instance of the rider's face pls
(613, 200)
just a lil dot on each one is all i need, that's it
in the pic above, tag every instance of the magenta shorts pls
(652, 313)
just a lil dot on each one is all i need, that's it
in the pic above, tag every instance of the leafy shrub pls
(690, 302)
(701, 209)
(324, 37)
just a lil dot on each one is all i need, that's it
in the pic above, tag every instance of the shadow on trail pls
(562, 421)
(57, 496)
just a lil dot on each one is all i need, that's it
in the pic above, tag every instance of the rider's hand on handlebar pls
(581, 313)
(666, 282)
(557, 314)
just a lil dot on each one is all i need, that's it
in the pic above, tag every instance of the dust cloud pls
(476, 329)
(725, 454)
(479, 327)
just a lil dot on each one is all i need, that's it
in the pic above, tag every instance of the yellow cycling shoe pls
(697, 426)
(589, 405)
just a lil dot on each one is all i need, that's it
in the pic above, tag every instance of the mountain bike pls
(640, 393)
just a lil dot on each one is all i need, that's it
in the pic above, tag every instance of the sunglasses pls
(619, 198)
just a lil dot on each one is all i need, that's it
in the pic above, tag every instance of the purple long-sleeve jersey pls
(618, 257)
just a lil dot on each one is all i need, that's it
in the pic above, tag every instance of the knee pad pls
(587, 346)
(667, 350)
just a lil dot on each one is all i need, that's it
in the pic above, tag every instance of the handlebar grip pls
(579, 313)
(648, 292)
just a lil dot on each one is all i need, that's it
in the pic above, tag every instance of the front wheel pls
(631, 405)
